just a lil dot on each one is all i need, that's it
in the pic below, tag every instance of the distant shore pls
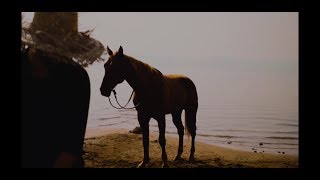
(117, 148)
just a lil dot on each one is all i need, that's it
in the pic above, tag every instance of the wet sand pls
(117, 148)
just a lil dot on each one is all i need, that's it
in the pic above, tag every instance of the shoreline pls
(117, 148)
(102, 131)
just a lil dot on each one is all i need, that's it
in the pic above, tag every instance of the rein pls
(122, 107)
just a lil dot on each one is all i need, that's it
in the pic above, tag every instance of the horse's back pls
(176, 82)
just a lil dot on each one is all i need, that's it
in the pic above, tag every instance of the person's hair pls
(57, 33)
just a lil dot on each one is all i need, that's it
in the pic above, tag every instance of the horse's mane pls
(144, 68)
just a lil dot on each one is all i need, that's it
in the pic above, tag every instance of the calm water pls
(241, 103)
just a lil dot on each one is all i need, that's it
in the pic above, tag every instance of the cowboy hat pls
(57, 33)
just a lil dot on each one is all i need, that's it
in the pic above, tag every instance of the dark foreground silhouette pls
(54, 113)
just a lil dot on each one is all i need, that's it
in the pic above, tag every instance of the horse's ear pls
(120, 51)
(109, 51)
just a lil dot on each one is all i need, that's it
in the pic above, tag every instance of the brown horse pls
(157, 95)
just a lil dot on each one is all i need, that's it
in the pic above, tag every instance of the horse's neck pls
(142, 76)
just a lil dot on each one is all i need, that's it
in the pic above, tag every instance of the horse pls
(155, 95)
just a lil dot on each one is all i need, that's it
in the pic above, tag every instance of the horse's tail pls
(191, 108)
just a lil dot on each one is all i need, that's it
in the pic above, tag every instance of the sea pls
(244, 105)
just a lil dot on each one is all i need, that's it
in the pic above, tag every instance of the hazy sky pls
(222, 35)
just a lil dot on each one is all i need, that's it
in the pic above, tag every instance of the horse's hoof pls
(142, 165)
(177, 158)
(165, 165)
(191, 159)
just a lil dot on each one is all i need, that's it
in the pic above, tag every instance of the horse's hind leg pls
(176, 117)
(162, 140)
(191, 118)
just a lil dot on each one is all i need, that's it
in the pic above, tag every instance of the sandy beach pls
(117, 148)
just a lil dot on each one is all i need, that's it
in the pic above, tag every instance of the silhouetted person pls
(55, 90)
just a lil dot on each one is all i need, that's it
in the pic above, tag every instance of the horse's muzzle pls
(105, 93)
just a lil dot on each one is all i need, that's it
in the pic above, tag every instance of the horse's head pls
(116, 69)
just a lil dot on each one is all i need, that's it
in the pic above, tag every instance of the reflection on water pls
(245, 105)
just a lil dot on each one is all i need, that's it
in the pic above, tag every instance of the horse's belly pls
(162, 106)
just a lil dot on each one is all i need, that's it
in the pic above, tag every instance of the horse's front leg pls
(144, 124)
(162, 140)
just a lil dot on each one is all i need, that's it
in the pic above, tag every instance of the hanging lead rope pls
(122, 107)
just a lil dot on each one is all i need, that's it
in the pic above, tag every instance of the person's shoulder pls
(77, 67)
(70, 73)
(79, 71)
(72, 68)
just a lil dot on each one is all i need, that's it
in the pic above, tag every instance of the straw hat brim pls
(79, 47)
